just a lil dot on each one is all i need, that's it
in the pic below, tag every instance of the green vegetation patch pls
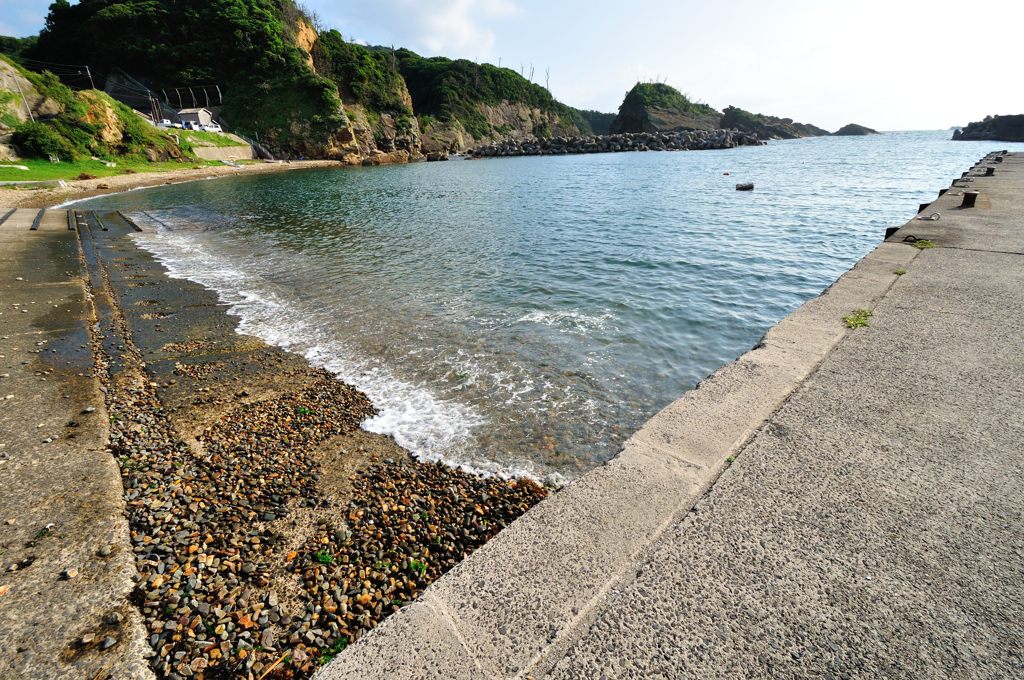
(663, 96)
(858, 318)
(454, 89)
(42, 169)
(923, 244)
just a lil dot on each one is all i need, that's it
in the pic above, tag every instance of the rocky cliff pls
(994, 128)
(767, 127)
(854, 130)
(657, 107)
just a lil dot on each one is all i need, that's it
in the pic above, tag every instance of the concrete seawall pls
(790, 516)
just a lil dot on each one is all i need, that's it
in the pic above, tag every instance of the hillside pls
(994, 128)
(767, 127)
(303, 92)
(73, 126)
(657, 107)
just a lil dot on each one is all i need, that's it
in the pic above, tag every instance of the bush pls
(39, 140)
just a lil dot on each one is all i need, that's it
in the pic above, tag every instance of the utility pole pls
(92, 85)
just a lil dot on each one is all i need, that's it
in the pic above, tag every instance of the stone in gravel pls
(69, 574)
(104, 551)
(88, 638)
(113, 618)
(108, 642)
(89, 409)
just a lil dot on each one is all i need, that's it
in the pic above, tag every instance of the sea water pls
(526, 315)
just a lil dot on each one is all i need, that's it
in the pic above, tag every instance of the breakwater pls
(683, 140)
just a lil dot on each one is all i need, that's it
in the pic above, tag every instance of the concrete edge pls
(513, 607)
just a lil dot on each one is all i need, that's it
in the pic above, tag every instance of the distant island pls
(854, 130)
(993, 128)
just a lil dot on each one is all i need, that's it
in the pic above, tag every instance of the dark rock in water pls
(993, 128)
(681, 140)
(745, 186)
(854, 130)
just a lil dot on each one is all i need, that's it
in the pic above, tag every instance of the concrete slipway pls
(835, 503)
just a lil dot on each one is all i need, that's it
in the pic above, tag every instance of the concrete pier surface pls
(65, 564)
(838, 503)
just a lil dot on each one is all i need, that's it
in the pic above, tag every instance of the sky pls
(890, 65)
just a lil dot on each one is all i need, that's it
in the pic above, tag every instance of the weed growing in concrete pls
(900, 272)
(923, 244)
(338, 647)
(858, 318)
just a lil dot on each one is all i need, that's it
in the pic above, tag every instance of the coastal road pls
(861, 516)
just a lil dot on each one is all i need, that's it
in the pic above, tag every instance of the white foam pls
(430, 427)
(570, 321)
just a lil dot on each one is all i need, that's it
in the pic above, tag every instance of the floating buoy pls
(745, 186)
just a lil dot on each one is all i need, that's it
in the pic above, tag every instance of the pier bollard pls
(969, 198)
(989, 172)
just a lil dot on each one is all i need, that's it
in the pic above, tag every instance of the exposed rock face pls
(18, 96)
(644, 141)
(305, 38)
(853, 130)
(21, 91)
(994, 128)
(767, 127)
(510, 122)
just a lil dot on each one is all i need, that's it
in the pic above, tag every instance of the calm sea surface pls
(529, 314)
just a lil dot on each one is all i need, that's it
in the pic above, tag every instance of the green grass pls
(324, 557)
(418, 566)
(900, 272)
(45, 170)
(858, 318)
(200, 138)
(923, 244)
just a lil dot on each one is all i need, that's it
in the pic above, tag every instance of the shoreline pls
(80, 190)
(262, 523)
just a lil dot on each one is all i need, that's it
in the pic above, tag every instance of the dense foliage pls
(246, 47)
(449, 89)
(251, 50)
(366, 76)
(600, 123)
(16, 47)
(662, 96)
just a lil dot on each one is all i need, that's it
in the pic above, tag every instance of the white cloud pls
(464, 28)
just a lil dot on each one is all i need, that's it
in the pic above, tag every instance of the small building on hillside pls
(196, 116)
